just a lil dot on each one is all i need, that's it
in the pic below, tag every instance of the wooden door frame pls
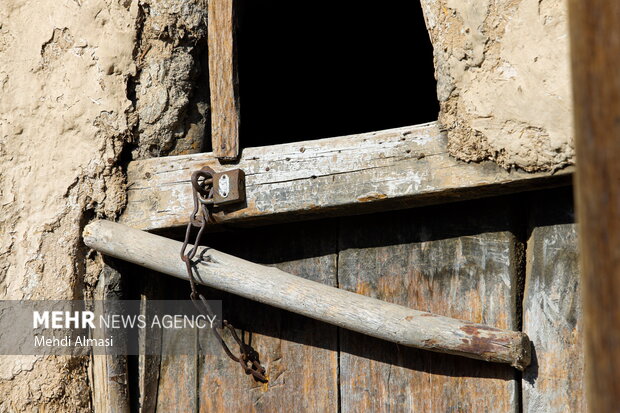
(595, 30)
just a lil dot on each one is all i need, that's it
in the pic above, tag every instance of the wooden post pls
(223, 79)
(595, 43)
(342, 308)
(110, 375)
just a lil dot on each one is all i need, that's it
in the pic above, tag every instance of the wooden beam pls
(223, 81)
(342, 308)
(391, 169)
(595, 43)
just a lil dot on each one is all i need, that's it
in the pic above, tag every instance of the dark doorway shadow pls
(310, 70)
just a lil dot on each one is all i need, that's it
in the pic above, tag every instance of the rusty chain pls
(202, 191)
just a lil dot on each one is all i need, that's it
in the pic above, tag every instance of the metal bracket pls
(228, 187)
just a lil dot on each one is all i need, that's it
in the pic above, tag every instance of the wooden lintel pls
(391, 169)
(269, 285)
(223, 79)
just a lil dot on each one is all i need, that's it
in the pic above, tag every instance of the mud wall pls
(502, 70)
(85, 85)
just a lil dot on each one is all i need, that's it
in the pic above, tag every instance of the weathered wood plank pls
(223, 81)
(355, 312)
(149, 359)
(178, 374)
(595, 52)
(552, 315)
(455, 260)
(299, 354)
(391, 169)
(110, 376)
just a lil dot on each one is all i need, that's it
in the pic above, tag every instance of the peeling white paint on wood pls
(383, 170)
(552, 315)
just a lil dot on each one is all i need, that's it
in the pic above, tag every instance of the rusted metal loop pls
(206, 173)
(187, 257)
(202, 183)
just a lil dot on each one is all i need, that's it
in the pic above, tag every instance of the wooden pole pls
(595, 44)
(342, 308)
(223, 80)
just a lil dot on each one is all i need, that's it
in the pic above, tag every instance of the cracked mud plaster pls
(171, 88)
(81, 83)
(503, 80)
(63, 123)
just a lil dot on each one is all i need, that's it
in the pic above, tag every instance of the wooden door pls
(465, 260)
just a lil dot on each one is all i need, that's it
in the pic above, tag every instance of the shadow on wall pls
(310, 70)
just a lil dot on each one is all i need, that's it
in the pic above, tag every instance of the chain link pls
(202, 191)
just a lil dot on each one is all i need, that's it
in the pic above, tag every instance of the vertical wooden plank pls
(595, 30)
(455, 260)
(149, 366)
(149, 360)
(178, 373)
(552, 316)
(299, 354)
(110, 374)
(177, 378)
(223, 79)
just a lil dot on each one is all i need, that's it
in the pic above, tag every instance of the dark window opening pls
(310, 70)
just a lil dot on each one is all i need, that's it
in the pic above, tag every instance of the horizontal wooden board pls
(383, 170)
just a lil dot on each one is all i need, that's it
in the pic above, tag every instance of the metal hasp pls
(211, 189)
(228, 187)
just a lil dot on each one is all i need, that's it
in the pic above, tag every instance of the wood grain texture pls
(277, 288)
(299, 354)
(223, 81)
(595, 30)
(455, 260)
(391, 169)
(177, 389)
(110, 373)
(552, 316)
(149, 360)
